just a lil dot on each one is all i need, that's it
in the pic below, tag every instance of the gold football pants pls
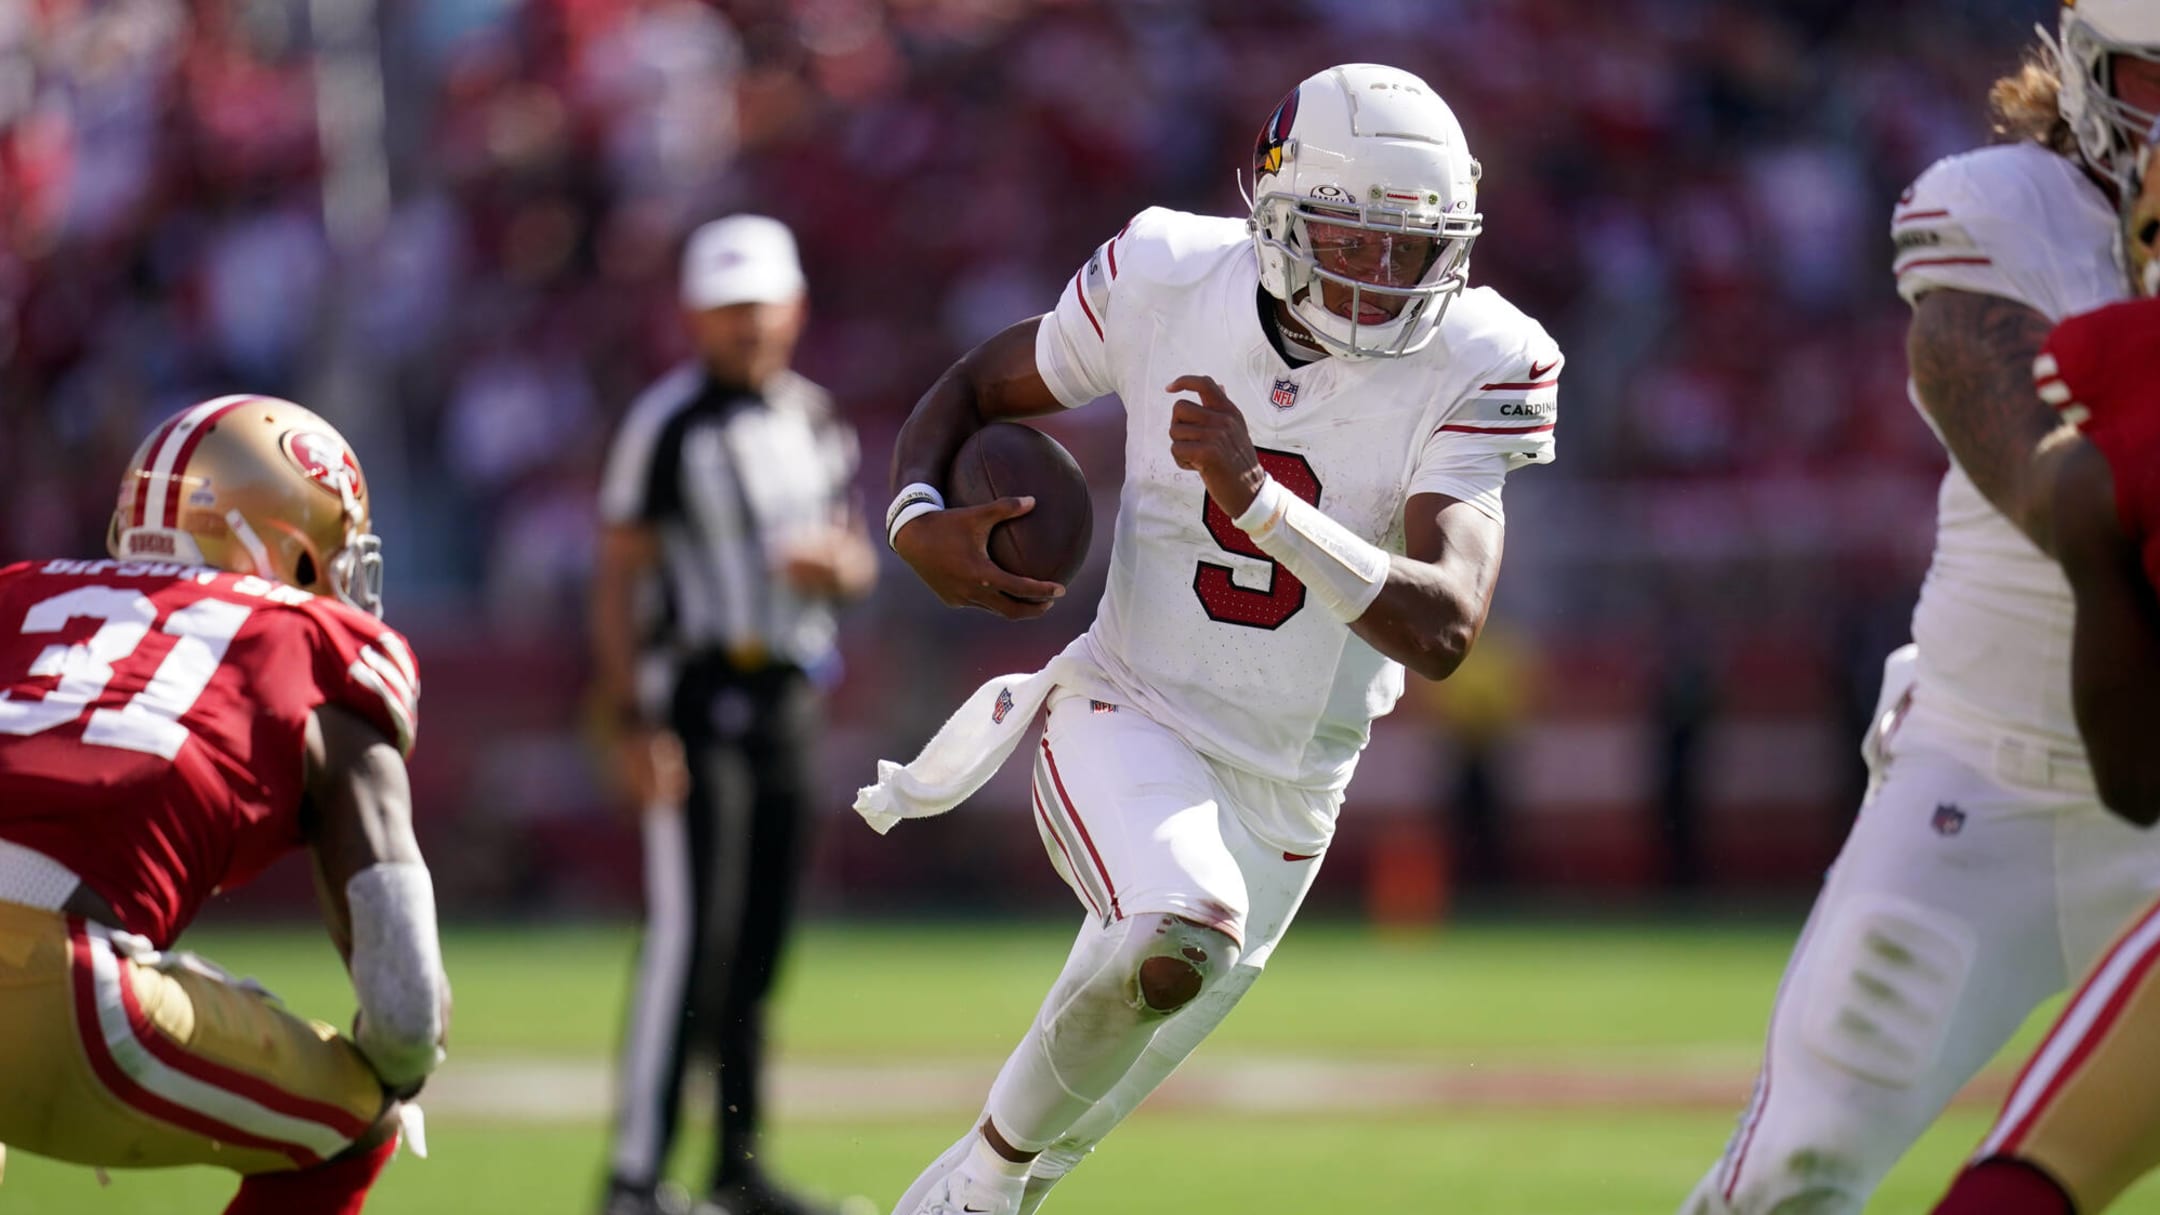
(2086, 1110)
(114, 1063)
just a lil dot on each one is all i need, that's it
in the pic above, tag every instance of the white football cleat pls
(963, 1193)
(919, 1192)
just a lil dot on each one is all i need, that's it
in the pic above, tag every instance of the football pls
(1006, 459)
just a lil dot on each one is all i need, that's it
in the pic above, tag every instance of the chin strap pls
(257, 551)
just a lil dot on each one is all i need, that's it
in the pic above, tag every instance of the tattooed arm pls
(1972, 359)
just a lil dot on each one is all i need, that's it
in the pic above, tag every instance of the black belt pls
(742, 660)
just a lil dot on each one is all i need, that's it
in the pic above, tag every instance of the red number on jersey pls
(1229, 603)
(150, 720)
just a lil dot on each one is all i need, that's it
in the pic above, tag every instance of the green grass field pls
(1525, 1007)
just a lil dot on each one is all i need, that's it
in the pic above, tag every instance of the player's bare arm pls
(1433, 604)
(2115, 648)
(649, 757)
(949, 549)
(1430, 603)
(377, 900)
(1971, 357)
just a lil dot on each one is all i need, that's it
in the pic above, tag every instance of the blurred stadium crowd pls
(451, 226)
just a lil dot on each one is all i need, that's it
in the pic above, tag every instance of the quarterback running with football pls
(1983, 872)
(173, 720)
(1320, 414)
(2083, 1120)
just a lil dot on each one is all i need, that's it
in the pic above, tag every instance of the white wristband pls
(1266, 505)
(915, 498)
(1343, 569)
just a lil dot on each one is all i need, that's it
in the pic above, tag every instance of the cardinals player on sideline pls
(171, 722)
(1320, 416)
(2083, 1121)
(1983, 871)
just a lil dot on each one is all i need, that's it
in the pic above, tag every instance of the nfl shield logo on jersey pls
(1284, 395)
(1948, 820)
(1004, 706)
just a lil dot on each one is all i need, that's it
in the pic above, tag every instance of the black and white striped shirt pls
(727, 478)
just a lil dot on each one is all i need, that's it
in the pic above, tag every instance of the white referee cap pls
(742, 259)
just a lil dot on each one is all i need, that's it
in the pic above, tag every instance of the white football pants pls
(1976, 882)
(1137, 822)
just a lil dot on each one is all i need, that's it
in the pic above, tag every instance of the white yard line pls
(542, 1090)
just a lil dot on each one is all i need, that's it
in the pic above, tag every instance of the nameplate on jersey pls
(1524, 402)
(1931, 236)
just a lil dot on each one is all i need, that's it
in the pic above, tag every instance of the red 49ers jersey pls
(2102, 368)
(153, 718)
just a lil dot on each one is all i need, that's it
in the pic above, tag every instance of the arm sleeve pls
(397, 971)
(1508, 419)
(1954, 231)
(1072, 346)
(367, 667)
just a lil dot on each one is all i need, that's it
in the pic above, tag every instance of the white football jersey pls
(1197, 628)
(1993, 621)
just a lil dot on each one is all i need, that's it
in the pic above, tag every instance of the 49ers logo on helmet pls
(1268, 149)
(325, 460)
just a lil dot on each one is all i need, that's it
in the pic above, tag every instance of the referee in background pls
(727, 540)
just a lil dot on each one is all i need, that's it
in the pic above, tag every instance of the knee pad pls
(1883, 987)
(1168, 961)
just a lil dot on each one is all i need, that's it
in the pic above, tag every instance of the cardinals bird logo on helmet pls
(1268, 149)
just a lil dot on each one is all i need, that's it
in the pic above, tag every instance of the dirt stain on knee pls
(1820, 1183)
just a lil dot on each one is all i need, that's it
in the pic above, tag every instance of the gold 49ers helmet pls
(2141, 217)
(258, 486)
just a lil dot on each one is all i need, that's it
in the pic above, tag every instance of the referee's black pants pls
(720, 881)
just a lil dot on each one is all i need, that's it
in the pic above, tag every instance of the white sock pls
(987, 1161)
(1086, 1036)
(1042, 1090)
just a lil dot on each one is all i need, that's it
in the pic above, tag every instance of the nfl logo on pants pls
(1284, 395)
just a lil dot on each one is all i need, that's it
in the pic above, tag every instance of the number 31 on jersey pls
(150, 720)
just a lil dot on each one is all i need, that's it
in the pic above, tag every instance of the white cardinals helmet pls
(1364, 208)
(2110, 132)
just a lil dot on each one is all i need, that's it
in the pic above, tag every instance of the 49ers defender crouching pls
(171, 722)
